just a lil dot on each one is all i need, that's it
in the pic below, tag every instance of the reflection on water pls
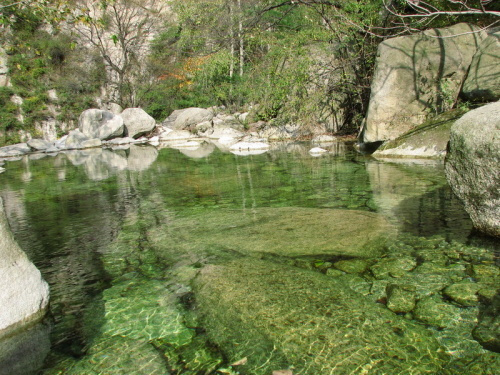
(199, 261)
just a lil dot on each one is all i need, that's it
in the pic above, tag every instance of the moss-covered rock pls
(434, 311)
(400, 298)
(352, 265)
(428, 140)
(464, 293)
(282, 317)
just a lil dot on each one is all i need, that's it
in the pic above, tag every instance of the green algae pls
(314, 323)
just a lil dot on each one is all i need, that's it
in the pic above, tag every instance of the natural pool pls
(204, 262)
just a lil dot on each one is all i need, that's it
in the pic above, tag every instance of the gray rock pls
(74, 139)
(483, 80)
(14, 150)
(97, 123)
(276, 133)
(91, 143)
(25, 352)
(39, 144)
(415, 75)
(24, 295)
(137, 122)
(186, 118)
(176, 135)
(471, 166)
(225, 132)
(429, 140)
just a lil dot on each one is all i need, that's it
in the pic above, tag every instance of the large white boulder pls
(186, 118)
(472, 166)
(137, 122)
(417, 75)
(97, 123)
(24, 295)
(483, 80)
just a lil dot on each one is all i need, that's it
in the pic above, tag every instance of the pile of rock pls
(185, 129)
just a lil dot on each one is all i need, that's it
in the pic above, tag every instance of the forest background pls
(305, 62)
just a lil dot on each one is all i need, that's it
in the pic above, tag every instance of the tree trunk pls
(240, 37)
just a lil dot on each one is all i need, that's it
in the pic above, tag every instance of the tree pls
(409, 16)
(122, 32)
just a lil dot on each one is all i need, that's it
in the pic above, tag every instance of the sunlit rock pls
(39, 144)
(249, 148)
(429, 140)
(14, 150)
(176, 135)
(24, 295)
(415, 75)
(97, 123)
(472, 166)
(183, 119)
(137, 122)
(483, 79)
(317, 151)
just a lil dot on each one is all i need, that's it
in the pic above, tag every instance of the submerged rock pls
(138, 313)
(472, 166)
(463, 293)
(289, 232)
(283, 317)
(434, 311)
(400, 298)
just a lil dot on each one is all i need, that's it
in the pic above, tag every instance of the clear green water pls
(204, 262)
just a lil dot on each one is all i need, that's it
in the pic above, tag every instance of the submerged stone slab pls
(281, 317)
(284, 231)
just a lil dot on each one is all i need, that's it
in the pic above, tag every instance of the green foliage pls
(9, 124)
(39, 61)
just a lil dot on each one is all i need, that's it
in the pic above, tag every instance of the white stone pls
(176, 135)
(317, 150)
(137, 122)
(24, 295)
(97, 123)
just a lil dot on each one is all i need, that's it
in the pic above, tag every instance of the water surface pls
(200, 261)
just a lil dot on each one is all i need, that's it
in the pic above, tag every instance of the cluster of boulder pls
(185, 128)
(423, 74)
